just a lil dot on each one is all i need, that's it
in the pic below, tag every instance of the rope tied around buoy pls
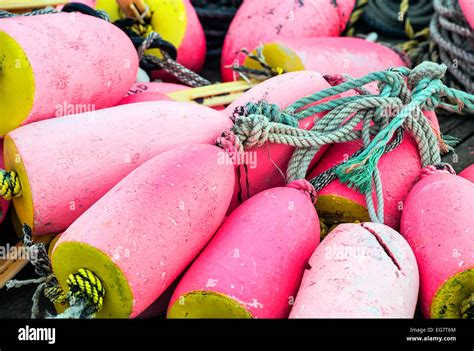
(427, 93)
(167, 63)
(86, 292)
(404, 94)
(10, 186)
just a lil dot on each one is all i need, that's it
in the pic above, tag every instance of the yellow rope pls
(9, 184)
(83, 285)
(414, 38)
(355, 17)
(86, 285)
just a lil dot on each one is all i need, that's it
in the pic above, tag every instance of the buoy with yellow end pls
(170, 207)
(175, 21)
(56, 169)
(259, 22)
(61, 64)
(437, 222)
(340, 55)
(253, 266)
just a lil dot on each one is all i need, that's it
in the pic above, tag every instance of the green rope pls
(427, 93)
(377, 120)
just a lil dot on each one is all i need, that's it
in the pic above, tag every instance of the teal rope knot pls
(252, 130)
(270, 111)
(428, 91)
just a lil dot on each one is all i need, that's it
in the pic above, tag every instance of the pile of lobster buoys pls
(313, 187)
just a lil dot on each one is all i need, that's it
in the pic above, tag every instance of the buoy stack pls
(309, 184)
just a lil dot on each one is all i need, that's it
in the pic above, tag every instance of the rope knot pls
(231, 144)
(9, 184)
(271, 111)
(426, 72)
(252, 131)
(306, 187)
(85, 285)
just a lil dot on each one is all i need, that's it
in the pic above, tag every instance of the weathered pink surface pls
(192, 50)
(143, 97)
(282, 91)
(364, 270)
(76, 59)
(438, 223)
(162, 238)
(85, 155)
(257, 22)
(399, 171)
(259, 254)
(468, 173)
(155, 87)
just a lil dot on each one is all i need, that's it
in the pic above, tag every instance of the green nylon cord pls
(404, 94)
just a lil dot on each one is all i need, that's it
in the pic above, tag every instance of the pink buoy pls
(155, 87)
(66, 164)
(468, 173)
(266, 164)
(169, 208)
(345, 55)
(175, 21)
(61, 64)
(399, 170)
(437, 222)
(143, 97)
(467, 7)
(364, 270)
(253, 266)
(258, 22)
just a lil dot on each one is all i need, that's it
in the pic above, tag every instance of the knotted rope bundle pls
(86, 291)
(404, 93)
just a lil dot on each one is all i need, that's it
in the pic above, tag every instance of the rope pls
(70, 7)
(399, 19)
(356, 14)
(85, 288)
(9, 184)
(40, 261)
(169, 65)
(266, 71)
(86, 295)
(404, 94)
(427, 92)
(47, 10)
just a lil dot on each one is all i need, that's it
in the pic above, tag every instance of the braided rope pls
(356, 14)
(45, 11)
(182, 73)
(427, 93)
(404, 94)
(85, 288)
(9, 184)
(451, 42)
